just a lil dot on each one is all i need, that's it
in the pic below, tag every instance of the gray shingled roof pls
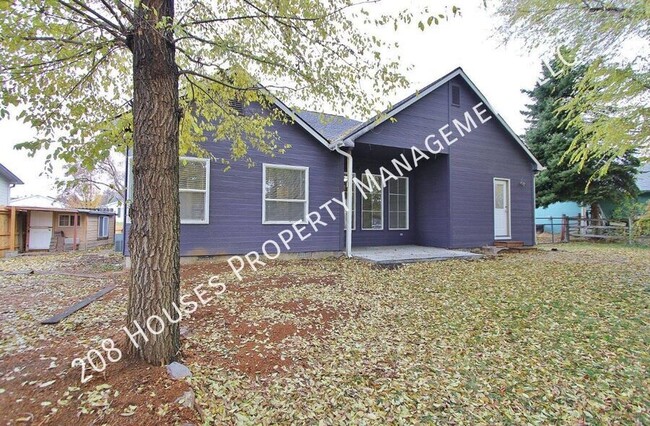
(643, 178)
(9, 177)
(329, 125)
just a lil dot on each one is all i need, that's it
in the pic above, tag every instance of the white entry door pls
(40, 230)
(501, 208)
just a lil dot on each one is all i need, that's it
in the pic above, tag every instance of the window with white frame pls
(354, 202)
(285, 194)
(66, 220)
(372, 207)
(193, 186)
(398, 204)
(102, 227)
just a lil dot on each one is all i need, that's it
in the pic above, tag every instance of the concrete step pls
(521, 250)
(509, 244)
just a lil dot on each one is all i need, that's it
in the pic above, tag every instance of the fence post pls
(630, 238)
(580, 231)
(12, 229)
(552, 232)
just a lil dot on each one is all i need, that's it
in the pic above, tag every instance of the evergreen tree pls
(611, 37)
(550, 136)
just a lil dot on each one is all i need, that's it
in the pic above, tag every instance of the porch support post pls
(349, 196)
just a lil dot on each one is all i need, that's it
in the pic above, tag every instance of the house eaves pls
(372, 123)
(10, 177)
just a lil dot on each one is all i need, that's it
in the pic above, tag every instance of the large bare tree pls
(88, 74)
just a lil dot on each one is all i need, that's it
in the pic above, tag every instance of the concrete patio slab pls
(390, 255)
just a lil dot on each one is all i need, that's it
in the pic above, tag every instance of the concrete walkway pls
(387, 255)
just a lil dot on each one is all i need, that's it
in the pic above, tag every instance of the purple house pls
(440, 169)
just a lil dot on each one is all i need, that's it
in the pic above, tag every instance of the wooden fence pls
(7, 230)
(564, 229)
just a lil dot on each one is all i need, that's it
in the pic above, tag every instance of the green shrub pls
(642, 224)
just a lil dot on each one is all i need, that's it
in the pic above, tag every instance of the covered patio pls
(408, 202)
(391, 255)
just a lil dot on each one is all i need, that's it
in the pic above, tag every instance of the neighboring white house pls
(118, 208)
(37, 201)
(7, 181)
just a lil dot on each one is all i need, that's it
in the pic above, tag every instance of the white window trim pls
(206, 217)
(509, 194)
(264, 199)
(407, 206)
(129, 190)
(99, 226)
(381, 191)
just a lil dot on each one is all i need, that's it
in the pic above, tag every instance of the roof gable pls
(9, 177)
(372, 123)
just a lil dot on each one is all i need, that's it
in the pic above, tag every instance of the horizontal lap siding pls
(236, 200)
(486, 153)
(92, 229)
(432, 199)
(412, 124)
(429, 183)
(373, 161)
(451, 197)
(454, 197)
(92, 232)
(4, 192)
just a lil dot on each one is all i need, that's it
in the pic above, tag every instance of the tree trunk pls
(155, 224)
(595, 218)
(595, 211)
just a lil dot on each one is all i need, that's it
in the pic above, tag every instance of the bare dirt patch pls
(39, 386)
(256, 337)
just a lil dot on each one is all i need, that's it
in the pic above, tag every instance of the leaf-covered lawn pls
(550, 337)
(559, 337)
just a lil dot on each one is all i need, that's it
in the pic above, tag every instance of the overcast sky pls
(500, 72)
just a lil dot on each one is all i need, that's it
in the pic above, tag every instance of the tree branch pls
(96, 19)
(265, 14)
(72, 58)
(115, 15)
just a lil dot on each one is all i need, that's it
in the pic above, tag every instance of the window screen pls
(285, 194)
(372, 207)
(193, 189)
(398, 203)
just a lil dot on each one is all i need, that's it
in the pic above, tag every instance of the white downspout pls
(349, 192)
